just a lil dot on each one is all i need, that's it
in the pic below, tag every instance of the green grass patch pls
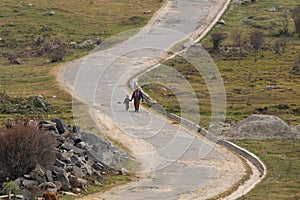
(21, 23)
(282, 158)
(261, 82)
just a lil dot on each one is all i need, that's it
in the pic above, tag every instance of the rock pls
(58, 185)
(48, 126)
(49, 176)
(70, 147)
(38, 174)
(62, 177)
(260, 127)
(98, 179)
(65, 157)
(77, 172)
(30, 184)
(222, 22)
(27, 195)
(273, 9)
(78, 161)
(60, 163)
(239, 3)
(147, 12)
(49, 13)
(59, 125)
(81, 145)
(48, 186)
(78, 182)
(76, 129)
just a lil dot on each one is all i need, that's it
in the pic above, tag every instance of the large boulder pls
(260, 127)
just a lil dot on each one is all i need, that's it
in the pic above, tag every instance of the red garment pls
(137, 95)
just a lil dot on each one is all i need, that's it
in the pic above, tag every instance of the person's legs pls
(136, 105)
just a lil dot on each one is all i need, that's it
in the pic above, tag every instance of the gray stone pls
(87, 170)
(27, 195)
(60, 163)
(273, 9)
(48, 186)
(59, 125)
(48, 126)
(70, 147)
(81, 145)
(49, 176)
(76, 171)
(30, 183)
(49, 13)
(62, 177)
(76, 129)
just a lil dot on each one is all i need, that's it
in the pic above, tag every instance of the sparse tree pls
(216, 39)
(257, 39)
(296, 18)
(236, 36)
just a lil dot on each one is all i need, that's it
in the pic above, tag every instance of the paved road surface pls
(176, 163)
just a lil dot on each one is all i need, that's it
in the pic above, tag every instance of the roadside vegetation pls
(256, 47)
(257, 54)
(39, 36)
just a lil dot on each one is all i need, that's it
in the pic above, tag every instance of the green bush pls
(11, 185)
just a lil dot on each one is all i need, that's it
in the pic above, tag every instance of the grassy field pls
(23, 23)
(261, 82)
(282, 159)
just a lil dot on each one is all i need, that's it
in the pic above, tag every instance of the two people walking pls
(136, 96)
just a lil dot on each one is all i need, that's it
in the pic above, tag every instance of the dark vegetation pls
(22, 148)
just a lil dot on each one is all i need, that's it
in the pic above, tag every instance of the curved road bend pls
(176, 164)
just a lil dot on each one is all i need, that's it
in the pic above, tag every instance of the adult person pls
(137, 95)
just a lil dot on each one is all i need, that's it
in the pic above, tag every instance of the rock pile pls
(79, 155)
(262, 127)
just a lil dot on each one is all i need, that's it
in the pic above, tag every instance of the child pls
(126, 102)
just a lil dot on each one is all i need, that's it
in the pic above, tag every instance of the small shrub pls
(12, 186)
(23, 147)
(296, 18)
(257, 39)
(217, 38)
(236, 37)
(296, 67)
(279, 46)
(55, 47)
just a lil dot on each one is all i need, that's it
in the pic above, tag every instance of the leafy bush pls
(23, 147)
(12, 186)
